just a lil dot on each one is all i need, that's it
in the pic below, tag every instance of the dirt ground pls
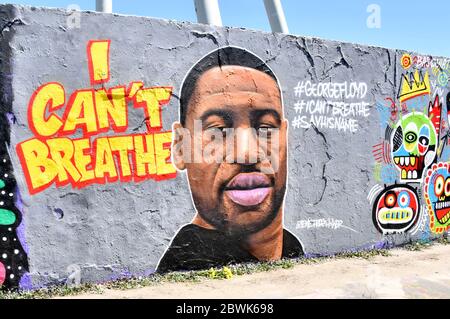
(405, 274)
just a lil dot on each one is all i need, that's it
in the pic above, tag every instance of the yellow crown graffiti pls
(414, 85)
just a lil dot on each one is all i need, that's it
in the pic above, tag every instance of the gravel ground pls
(404, 274)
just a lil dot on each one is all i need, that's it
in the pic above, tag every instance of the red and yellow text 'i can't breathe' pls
(54, 156)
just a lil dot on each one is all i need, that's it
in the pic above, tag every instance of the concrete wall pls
(340, 166)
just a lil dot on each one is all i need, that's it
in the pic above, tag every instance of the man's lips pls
(248, 189)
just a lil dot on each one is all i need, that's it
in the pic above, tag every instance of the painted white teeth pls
(405, 161)
(415, 175)
(410, 175)
(443, 205)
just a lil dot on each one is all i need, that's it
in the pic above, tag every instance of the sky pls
(415, 25)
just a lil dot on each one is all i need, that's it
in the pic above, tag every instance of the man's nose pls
(246, 146)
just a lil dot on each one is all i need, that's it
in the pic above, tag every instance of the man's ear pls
(177, 146)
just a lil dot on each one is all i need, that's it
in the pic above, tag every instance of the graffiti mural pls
(416, 136)
(52, 157)
(171, 148)
(325, 105)
(413, 146)
(437, 197)
(396, 209)
(239, 203)
(434, 113)
(414, 85)
(13, 258)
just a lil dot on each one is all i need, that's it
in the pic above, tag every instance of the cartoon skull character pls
(396, 209)
(413, 146)
(437, 197)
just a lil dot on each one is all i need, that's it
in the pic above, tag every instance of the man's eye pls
(264, 131)
(216, 128)
(267, 125)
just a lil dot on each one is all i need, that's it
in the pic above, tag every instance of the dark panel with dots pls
(13, 259)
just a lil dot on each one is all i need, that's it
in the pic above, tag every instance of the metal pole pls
(104, 6)
(208, 12)
(277, 19)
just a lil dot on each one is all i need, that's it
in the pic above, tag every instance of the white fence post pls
(276, 16)
(208, 12)
(104, 6)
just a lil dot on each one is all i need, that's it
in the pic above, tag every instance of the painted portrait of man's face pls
(231, 141)
(244, 192)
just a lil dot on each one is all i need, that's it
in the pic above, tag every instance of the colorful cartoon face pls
(413, 146)
(396, 209)
(437, 196)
